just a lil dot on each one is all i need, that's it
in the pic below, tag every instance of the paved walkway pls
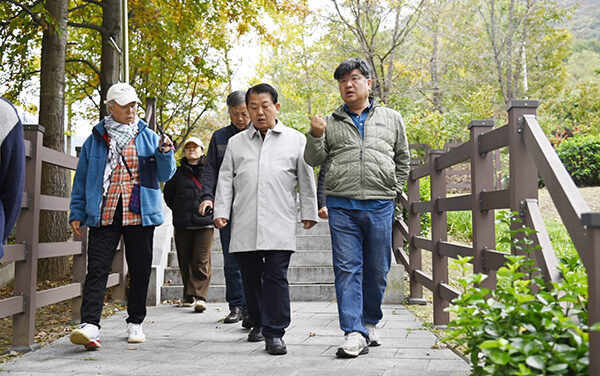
(180, 342)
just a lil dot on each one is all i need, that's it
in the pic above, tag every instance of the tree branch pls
(100, 4)
(87, 62)
(87, 26)
(27, 10)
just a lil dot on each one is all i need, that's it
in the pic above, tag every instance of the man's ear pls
(277, 106)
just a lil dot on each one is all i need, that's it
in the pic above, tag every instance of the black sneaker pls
(255, 334)
(234, 316)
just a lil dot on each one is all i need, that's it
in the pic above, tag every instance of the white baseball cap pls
(122, 93)
(195, 140)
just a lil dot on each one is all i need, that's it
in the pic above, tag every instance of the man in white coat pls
(262, 171)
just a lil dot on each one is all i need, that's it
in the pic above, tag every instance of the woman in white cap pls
(116, 193)
(193, 231)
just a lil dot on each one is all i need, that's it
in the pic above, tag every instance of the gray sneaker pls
(354, 345)
(373, 337)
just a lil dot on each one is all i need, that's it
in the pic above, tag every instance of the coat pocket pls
(148, 172)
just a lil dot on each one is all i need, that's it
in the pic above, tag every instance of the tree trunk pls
(109, 65)
(53, 224)
(434, 62)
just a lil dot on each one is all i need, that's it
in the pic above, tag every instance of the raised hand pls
(317, 126)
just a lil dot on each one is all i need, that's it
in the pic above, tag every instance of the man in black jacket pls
(240, 119)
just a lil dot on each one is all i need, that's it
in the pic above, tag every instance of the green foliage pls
(581, 157)
(435, 129)
(19, 36)
(425, 195)
(460, 225)
(563, 245)
(523, 327)
(577, 110)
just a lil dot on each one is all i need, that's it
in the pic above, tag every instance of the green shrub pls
(516, 329)
(581, 157)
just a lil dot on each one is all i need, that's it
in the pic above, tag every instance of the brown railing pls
(459, 172)
(27, 250)
(530, 153)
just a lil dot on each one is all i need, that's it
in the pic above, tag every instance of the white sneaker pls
(135, 334)
(87, 335)
(200, 305)
(373, 337)
(354, 345)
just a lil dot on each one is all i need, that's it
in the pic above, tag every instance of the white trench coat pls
(258, 185)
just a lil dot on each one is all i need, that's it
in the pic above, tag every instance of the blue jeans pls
(362, 253)
(234, 292)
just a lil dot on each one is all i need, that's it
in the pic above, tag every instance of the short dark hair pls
(351, 64)
(235, 98)
(260, 89)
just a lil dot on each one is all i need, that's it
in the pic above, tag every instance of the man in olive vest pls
(367, 156)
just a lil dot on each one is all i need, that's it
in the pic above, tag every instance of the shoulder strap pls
(195, 180)
(126, 166)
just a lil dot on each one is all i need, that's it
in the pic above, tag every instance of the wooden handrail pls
(529, 152)
(493, 140)
(568, 201)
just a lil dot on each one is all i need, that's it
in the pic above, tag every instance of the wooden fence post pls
(28, 226)
(439, 232)
(592, 222)
(79, 267)
(151, 112)
(482, 179)
(523, 173)
(414, 229)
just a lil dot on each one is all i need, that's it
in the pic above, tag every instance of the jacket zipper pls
(362, 147)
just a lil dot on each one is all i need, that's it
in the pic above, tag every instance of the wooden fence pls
(530, 153)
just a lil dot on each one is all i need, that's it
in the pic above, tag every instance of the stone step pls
(296, 275)
(299, 258)
(308, 241)
(299, 292)
(320, 228)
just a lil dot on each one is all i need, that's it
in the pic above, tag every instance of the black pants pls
(102, 245)
(264, 276)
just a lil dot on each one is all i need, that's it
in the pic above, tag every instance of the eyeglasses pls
(355, 78)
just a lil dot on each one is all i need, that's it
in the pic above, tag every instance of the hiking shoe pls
(188, 301)
(200, 305)
(135, 334)
(234, 316)
(87, 335)
(373, 337)
(354, 345)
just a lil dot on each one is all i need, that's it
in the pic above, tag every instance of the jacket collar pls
(253, 132)
(341, 114)
(100, 132)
